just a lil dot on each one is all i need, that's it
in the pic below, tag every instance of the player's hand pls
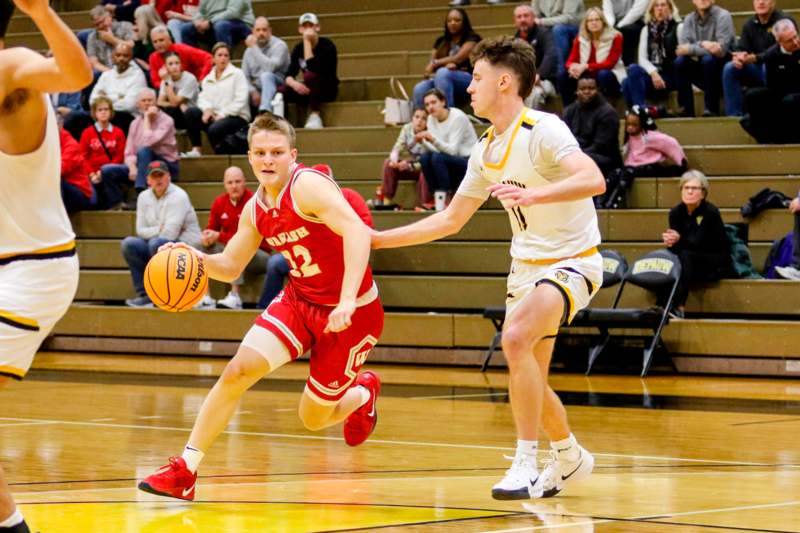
(794, 207)
(175, 246)
(511, 195)
(340, 317)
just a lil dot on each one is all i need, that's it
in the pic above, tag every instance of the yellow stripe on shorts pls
(14, 320)
(11, 371)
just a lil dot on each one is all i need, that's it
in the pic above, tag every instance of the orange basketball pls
(175, 279)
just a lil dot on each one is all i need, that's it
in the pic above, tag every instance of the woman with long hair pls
(449, 69)
(598, 50)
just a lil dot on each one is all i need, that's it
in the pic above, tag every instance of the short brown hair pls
(102, 100)
(219, 45)
(514, 54)
(270, 122)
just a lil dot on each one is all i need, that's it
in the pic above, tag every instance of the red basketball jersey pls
(315, 252)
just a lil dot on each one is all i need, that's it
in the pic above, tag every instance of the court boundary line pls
(375, 441)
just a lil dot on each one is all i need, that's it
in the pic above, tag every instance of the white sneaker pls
(194, 152)
(231, 301)
(206, 303)
(788, 272)
(558, 474)
(519, 481)
(314, 122)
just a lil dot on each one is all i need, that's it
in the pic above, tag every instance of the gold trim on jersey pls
(14, 320)
(490, 135)
(42, 253)
(586, 253)
(16, 373)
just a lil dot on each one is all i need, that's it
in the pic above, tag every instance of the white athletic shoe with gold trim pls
(558, 474)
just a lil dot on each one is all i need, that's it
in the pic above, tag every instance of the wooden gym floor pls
(674, 454)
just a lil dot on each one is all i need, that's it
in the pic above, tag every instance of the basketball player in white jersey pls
(530, 161)
(38, 266)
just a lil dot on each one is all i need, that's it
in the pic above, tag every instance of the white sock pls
(567, 449)
(192, 456)
(13, 520)
(527, 449)
(365, 394)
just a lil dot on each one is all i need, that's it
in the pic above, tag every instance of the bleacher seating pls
(460, 276)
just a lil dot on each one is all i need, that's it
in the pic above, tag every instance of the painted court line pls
(373, 441)
(647, 518)
(483, 394)
(15, 424)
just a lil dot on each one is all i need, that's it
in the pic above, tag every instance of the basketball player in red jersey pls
(330, 305)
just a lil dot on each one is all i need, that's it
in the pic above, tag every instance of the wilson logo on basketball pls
(181, 267)
(201, 273)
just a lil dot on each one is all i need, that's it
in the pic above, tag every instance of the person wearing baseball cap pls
(315, 57)
(164, 213)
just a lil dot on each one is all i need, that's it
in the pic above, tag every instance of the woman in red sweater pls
(103, 144)
(598, 50)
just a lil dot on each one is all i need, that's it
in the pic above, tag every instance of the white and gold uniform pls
(38, 265)
(555, 242)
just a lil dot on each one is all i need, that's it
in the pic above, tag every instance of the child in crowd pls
(403, 163)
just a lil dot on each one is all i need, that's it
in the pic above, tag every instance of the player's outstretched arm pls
(584, 181)
(67, 71)
(228, 265)
(319, 196)
(431, 228)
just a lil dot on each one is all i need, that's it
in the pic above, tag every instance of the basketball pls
(175, 279)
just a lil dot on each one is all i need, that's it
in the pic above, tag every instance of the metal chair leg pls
(490, 351)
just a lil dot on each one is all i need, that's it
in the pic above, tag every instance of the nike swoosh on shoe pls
(186, 492)
(564, 478)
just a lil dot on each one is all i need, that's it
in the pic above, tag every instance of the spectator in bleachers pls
(564, 18)
(219, 21)
(448, 141)
(746, 67)
(704, 44)
(697, 235)
(222, 224)
(223, 107)
(541, 39)
(595, 124)
(164, 214)
(108, 33)
(145, 19)
(654, 73)
(197, 62)
(316, 57)
(404, 162)
(77, 191)
(151, 138)
(627, 17)
(646, 152)
(596, 50)
(179, 90)
(773, 112)
(68, 107)
(265, 64)
(121, 9)
(792, 271)
(121, 85)
(174, 13)
(103, 144)
(449, 69)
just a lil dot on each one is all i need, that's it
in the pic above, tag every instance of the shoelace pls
(516, 463)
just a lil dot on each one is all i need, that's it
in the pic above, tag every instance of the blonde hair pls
(648, 15)
(146, 18)
(270, 122)
(584, 31)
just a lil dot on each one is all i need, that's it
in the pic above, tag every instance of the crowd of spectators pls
(167, 66)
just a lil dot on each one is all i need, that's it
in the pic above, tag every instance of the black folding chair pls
(656, 271)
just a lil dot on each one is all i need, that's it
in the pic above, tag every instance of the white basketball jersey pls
(527, 155)
(32, 215)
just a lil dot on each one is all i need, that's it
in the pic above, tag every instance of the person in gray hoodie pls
(563, 18)
(265, 63)
(704, 46)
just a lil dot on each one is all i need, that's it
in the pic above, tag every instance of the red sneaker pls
(173, 480)
(361, 422)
